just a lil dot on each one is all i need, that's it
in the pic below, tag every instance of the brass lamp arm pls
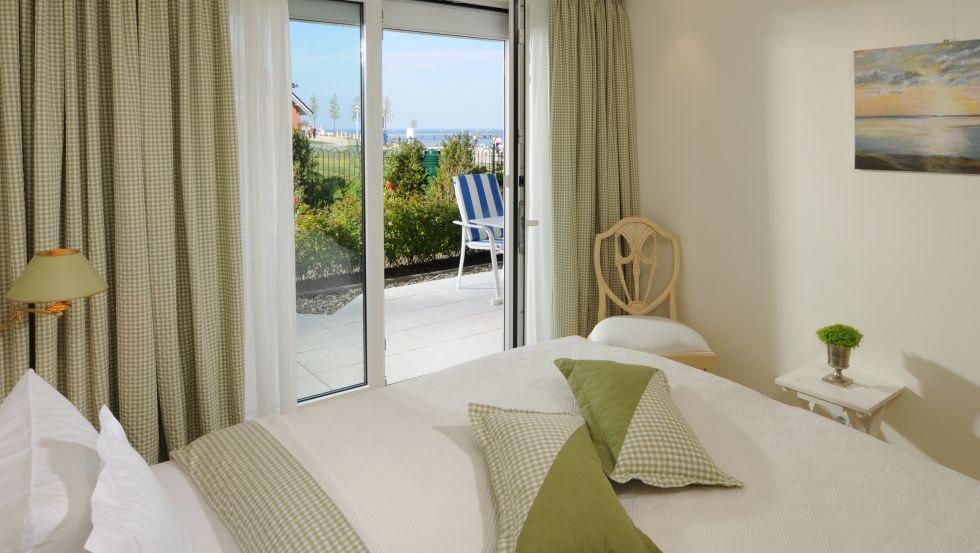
(57, 309)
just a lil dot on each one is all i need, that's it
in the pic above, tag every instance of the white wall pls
(746, 139)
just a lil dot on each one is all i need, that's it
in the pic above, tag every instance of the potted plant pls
(840, 340)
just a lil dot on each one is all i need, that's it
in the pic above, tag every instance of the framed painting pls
(917, 108)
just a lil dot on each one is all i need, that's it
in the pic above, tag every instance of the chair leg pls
(496, 276)
(462, 259)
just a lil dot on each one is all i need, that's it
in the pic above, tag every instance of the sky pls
(926, 80)
(442, 82)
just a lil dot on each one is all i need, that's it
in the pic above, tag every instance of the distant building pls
(299, 110)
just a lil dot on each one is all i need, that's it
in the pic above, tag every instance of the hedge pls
(418, 228)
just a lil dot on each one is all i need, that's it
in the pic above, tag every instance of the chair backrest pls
(478, 196)
(635, 244)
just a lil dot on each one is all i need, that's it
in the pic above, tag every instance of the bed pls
(402, 465)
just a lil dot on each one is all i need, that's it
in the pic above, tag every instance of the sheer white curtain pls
(261, 65)
(540, 245)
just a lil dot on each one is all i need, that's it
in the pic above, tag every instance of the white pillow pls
(48, 468)
(130, 511)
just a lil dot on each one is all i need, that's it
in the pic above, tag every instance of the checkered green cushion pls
(637, 430)
(264, 496)
(548, 485)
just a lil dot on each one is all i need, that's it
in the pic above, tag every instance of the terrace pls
(429, 326)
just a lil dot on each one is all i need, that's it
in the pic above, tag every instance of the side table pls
(864, 400)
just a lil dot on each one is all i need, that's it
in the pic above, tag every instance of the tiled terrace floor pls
(429, 326)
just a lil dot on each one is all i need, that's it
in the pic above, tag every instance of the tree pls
(334, 111)
(456, 158)
(309, 185)
(314, 109)
(355, 110)
(386, 112)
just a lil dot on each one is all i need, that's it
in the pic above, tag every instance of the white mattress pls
(401, 463)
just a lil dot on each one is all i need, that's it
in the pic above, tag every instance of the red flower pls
(389, 186)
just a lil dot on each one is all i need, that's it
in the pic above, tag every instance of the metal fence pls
(347, 162)
(343, 163)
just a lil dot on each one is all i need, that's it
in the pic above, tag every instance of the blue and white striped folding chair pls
(481, 210)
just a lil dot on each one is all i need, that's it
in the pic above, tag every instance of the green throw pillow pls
(637, 430)
(549, 489)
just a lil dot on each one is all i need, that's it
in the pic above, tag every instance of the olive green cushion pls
(549, 489)
(635, 427)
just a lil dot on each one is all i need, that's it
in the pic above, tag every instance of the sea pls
(946, 136)
(434, 137)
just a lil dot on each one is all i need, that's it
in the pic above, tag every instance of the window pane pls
(328, 195)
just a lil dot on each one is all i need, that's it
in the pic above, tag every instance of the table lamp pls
(53, 277)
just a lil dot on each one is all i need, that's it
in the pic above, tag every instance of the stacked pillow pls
(548, 471)
(637, 430)
(64, 487)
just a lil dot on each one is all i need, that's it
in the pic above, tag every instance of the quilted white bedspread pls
(401, 463)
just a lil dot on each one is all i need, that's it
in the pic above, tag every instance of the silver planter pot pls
(839, 358)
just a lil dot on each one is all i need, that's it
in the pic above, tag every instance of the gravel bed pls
(329, 301)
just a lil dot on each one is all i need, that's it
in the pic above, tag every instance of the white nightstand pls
(864, 401)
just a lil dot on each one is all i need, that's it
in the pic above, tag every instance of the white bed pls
(401, 464)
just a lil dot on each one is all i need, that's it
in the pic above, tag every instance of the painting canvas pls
(917, 108)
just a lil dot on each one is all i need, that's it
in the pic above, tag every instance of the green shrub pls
(319, 191)
(403, 168)
(840, 335)
(456, 158)
(318, 252)
(417, 228)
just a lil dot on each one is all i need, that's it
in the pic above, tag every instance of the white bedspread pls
(401, 463)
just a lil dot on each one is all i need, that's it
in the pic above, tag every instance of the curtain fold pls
(261, 69)
(122, 144)
(593, 147)
(539, 311)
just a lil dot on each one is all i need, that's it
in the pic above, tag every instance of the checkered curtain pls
(117, 137)
(593, 148)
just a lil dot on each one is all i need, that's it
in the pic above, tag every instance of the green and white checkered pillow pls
(548, 485)
(636, 428)
(264, 495)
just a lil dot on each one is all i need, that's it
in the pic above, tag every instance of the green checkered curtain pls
(593, 147)
(117, 137)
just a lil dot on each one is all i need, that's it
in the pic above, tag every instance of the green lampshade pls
(56, 275)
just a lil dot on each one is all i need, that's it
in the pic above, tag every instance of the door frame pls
(433, 17)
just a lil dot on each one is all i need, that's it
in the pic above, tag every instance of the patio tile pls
(310, 385)
(477, 345)
(443, 331)
(343, 377)
(316, 337)
(418, 362)
(429, 326)
(332, 357)
(443, 312)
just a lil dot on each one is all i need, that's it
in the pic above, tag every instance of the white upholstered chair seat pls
(633, 249)
(658, 335)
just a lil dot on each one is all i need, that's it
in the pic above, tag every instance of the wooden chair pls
(636, 244)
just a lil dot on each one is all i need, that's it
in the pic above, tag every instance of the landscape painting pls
(917, 108)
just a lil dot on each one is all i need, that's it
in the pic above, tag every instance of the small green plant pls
(840, 335)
